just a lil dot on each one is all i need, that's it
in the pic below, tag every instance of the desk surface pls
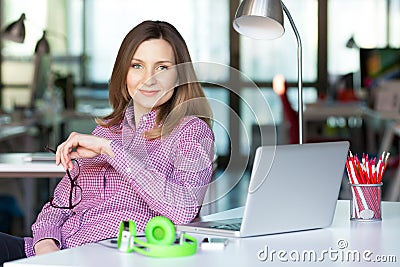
(322, 110)
(12, 129)
(7, 132)
(338, 244)
(16, 165)
(316, 111)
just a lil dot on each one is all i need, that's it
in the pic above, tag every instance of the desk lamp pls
(263, 19)
(16, 32)
(42, 46)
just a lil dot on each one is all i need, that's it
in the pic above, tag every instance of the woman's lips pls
(148, 92)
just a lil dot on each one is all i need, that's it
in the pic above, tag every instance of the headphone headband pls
(187, 248)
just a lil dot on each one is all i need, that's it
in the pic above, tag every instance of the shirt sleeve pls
(177, 195)
(49, 221)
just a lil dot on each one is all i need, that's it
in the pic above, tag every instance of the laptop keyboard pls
(231, 226)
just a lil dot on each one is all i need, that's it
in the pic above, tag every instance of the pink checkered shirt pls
(146, 178)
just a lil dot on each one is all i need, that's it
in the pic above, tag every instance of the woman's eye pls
(136, 66)
(162, 68)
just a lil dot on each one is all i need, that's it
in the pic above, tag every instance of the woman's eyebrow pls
(165, 61)
(157, 62)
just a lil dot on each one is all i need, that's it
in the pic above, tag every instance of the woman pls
(151, 156)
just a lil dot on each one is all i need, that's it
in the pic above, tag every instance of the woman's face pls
(152, 75)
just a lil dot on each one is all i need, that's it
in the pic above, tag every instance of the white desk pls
(340, 113)
(322, 111)
(373, 118)
(318, 111)
(8, 132)
(381, 238)
(14, 165)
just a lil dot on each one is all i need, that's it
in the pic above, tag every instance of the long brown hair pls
(187, 90)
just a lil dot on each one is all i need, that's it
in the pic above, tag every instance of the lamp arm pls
(299, 72)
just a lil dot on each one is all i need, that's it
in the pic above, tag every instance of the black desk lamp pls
(16, 32)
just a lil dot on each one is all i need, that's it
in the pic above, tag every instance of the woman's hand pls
(45, 246)
(81, 146)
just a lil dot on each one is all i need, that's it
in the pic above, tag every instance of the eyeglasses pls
(75, 193)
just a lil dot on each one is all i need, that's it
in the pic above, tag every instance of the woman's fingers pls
(80, 146)
(64, 149)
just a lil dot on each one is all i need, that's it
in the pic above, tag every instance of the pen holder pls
(365, 204)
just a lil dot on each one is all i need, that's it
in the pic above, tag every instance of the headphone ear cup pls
(160, 231)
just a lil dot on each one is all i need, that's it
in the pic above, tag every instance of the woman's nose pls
(149, 78)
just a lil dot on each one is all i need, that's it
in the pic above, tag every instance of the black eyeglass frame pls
(73, 185)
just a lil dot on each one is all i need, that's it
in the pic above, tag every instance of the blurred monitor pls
(41, 77)
(379, 64)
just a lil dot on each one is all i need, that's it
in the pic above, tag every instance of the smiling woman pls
(152, 156)
(152, 78)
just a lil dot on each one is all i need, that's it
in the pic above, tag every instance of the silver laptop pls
(292, 188)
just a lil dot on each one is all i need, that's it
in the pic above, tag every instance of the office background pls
(84, 37)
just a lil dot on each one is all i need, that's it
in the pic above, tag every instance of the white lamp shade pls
(259, 19)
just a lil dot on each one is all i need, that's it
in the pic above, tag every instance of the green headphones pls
(160, 235)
